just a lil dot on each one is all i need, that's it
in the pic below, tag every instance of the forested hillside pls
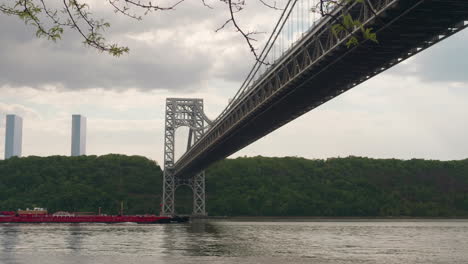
(350, 186)
(255, 186)
(81, 183)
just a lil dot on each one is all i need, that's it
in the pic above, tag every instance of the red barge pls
(39, 215)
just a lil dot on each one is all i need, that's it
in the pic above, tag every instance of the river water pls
(271, 242)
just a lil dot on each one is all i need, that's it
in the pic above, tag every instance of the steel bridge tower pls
(183, 112)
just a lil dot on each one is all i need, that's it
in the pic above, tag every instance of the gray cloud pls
(27, 61)
(182, 52)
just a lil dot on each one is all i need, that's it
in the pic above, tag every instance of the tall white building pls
(13, 136)
(78, 144)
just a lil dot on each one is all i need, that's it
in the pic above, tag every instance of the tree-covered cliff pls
(244, 186)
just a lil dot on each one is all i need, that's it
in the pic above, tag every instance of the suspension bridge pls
(304, 64)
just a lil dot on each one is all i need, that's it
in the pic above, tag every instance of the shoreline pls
(326, 219)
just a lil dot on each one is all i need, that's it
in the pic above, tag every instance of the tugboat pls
(41, 215)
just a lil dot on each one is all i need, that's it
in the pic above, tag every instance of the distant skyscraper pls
(78, 144)
(13, 136)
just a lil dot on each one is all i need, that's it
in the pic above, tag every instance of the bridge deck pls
(403, 30)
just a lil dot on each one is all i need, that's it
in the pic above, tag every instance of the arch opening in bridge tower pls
(181, 144)
(184, 198)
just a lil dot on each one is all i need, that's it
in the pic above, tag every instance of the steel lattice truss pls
(320, 67)
(189, 113)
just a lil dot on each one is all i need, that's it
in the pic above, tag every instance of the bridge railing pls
(286, 43)
(297, 19)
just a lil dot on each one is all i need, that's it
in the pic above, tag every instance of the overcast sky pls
(417, 109)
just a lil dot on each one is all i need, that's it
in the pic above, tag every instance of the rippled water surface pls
(238, 242)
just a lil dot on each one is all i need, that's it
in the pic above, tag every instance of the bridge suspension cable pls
(296, 19)
(306, 63)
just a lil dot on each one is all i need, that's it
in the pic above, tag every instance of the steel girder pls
(320, 67)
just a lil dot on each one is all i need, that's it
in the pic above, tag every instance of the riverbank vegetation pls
(82, 183)
(256, 186)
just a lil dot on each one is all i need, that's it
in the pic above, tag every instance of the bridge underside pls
(402, 31)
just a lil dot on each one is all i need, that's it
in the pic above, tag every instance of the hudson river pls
(270, 242)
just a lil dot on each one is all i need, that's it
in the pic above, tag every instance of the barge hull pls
(88, 219)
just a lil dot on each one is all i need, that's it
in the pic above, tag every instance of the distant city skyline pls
(13, 136)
